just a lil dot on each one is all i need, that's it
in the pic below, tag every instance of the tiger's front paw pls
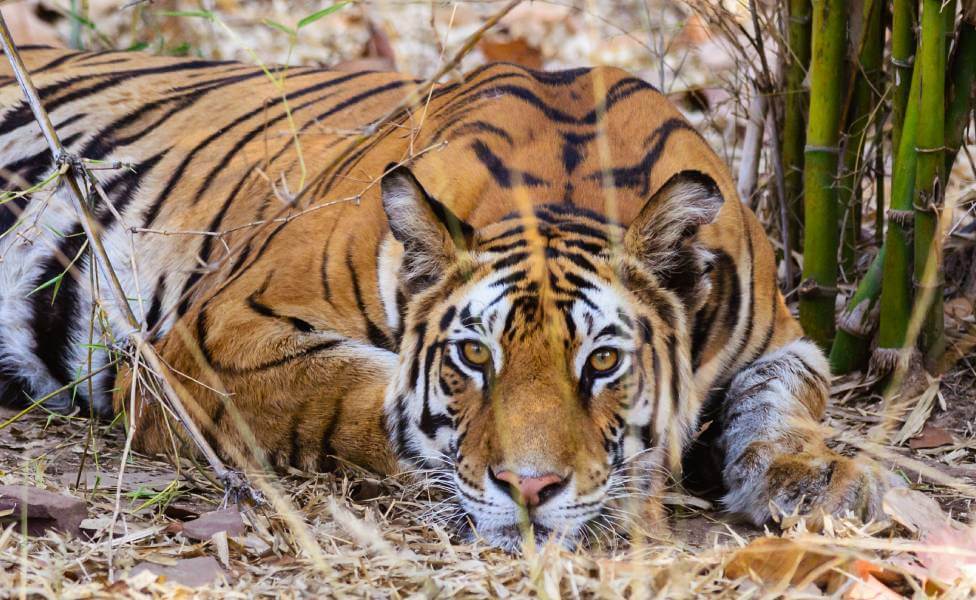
(815, 484)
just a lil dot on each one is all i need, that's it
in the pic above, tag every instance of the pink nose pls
(532, 491)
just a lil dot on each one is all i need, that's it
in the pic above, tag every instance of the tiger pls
(539, 289)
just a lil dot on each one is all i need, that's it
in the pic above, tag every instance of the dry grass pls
(388, 537)
(347, 533)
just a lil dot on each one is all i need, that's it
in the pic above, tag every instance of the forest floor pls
(348, 533)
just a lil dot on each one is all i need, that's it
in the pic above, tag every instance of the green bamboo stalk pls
(896, 293)
(794, 118)
(903, 18)
(860, 113)
(856, 324)
(961, 89)
(852, 337)
(930, 140)
(821, 235)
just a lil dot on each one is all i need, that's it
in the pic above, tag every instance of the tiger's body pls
(453, 315)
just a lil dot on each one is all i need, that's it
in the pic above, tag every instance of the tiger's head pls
(544, 370)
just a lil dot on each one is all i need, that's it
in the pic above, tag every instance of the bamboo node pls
(931, 150)
(827, 149)
(886, 360)
(809, 287)
(934, 285)
(903, 218)
(903, 63)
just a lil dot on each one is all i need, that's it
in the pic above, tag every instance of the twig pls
(74, 175)
(765, 86)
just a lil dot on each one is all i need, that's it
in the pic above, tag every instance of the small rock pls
(227, 520)
(45, 510)
(191, 572)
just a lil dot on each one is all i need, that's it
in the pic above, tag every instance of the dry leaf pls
(870, 588)
(920, 413)
(960, 308)
(931, 437)
(516, 51)
(191, 572)
(43, 510)
(694, 33)
(914, 510)
(779, 561)
(228, 520)
(952, 555)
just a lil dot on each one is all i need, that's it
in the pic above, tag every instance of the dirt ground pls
(350, 534)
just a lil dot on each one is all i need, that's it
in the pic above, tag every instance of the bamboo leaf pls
(196, 14)
(315, 16)
(280, 27)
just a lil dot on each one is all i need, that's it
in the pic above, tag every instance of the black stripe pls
(54, 63)
(639, 174)
(375, 335)
(22, 114)
(177, 175)
(266, 311)
(475, 127)
(503, 176)
(673, 357)
(156, 307)
(429, 422)
(55, 308)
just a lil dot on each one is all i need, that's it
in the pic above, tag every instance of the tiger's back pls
(306, 287)
(210, 147)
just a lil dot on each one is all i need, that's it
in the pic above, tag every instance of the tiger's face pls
(542, 360)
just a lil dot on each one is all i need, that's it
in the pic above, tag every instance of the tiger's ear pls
(433, 237)
(672, 216)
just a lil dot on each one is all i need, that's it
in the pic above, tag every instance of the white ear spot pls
(387, 274)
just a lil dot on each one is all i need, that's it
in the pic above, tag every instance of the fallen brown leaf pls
(516, 51)
(930, 437)
(914, 510)
(228, 521)
(870, 588)
(44, 510)
(779, 561)
(191, 572)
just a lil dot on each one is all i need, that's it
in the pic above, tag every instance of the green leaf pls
(137, 47)
(56, 281)
(180, 50)
(197, 14)
(315, 16)
(81, 20)
(94, 346)
(283, 28)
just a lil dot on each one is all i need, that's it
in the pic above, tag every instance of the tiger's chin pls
(514, 538)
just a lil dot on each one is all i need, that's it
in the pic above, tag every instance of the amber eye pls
(603, 359)
(475, 354)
